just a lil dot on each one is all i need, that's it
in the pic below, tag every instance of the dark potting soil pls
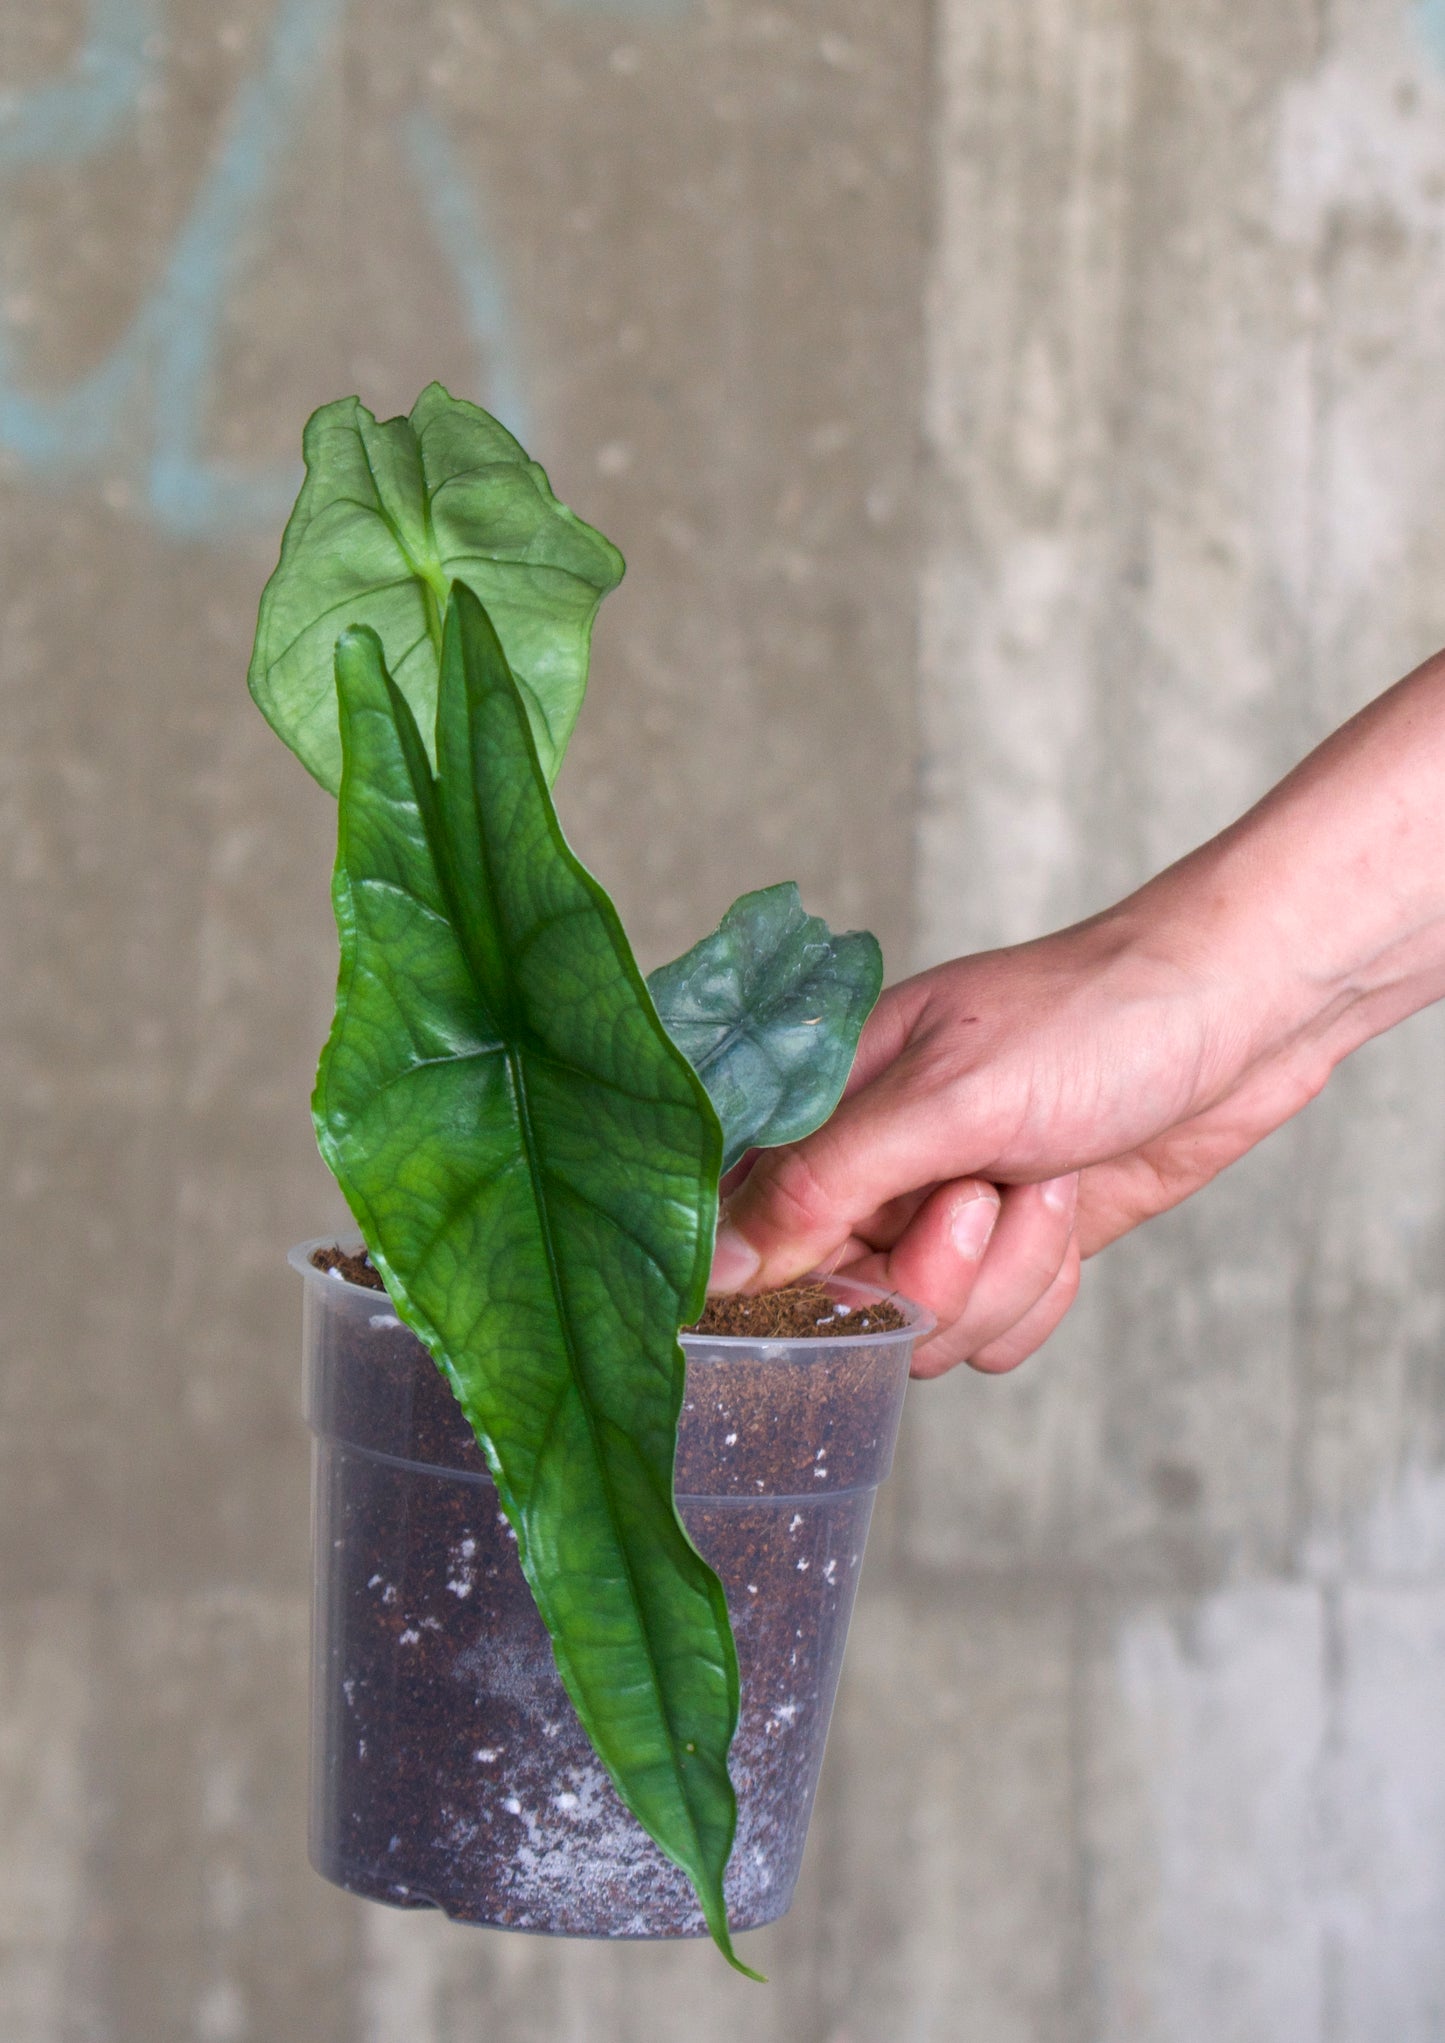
(794, 1312)
(450, 1768)
(355, 1265)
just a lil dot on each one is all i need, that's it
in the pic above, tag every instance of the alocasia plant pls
(529, 1134)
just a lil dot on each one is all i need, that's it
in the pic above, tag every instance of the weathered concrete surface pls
(1140, 1738)
(955, 1750)
(46, 1676)
(1186, 427)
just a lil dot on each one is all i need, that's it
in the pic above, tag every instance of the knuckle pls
(1028, 1334)
(1051, 1246)
(796, 1201)
(994, 1361)
(1066, 1284)
(940, 1353)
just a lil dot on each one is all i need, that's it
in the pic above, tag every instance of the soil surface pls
(797, 1312)
(355, 1266)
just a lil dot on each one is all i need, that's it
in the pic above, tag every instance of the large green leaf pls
(390, 514)
(768, 1010)
(534, 1167)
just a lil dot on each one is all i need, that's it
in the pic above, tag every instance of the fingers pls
(799, 1204)
(998, 1311)
(783, 1221)
(1030, 1333)
(998, 1270)
(895, 1187)
(893, 1136)
(937, 1259)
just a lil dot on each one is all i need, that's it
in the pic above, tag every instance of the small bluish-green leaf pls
(534, 1167)
(391, 513)
(768, 1011)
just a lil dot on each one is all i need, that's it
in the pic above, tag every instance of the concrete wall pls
(1025, 425)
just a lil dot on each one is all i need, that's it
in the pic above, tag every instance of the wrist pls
(1314, 923)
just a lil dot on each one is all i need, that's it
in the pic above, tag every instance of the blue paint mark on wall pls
(185, 491)
(457, 222)
(73, 116)
(655, 10)
(62, 120)
(1430, 19)
(164, 360)
(158, 381)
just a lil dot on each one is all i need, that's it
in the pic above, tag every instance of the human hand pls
(1011, 1113)
(1008, 1115)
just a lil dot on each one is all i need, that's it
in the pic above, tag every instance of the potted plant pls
(526, 1673)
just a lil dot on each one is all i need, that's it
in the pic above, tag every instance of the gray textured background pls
(1024, 420)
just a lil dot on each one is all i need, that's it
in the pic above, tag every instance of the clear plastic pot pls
(449, 1769)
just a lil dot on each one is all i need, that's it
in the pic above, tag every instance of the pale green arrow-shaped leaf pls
(534, 1167)
(768, 1011)
(391, 513)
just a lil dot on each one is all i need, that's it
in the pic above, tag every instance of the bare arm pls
(1013, 1112)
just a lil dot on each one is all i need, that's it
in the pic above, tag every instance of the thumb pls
(778, 1225)
(799, 1205)
(791, 1208)
(905, 1123)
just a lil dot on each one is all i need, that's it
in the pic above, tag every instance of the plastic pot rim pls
(919, 1323)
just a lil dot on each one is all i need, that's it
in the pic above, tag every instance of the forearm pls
(1318, 919)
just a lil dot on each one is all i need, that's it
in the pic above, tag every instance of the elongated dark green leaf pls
(390, 514)
(534, 1168)
(768, 1010)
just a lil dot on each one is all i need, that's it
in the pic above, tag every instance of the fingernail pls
(1060, 1194)
(971, 1225)
(734, 1260)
